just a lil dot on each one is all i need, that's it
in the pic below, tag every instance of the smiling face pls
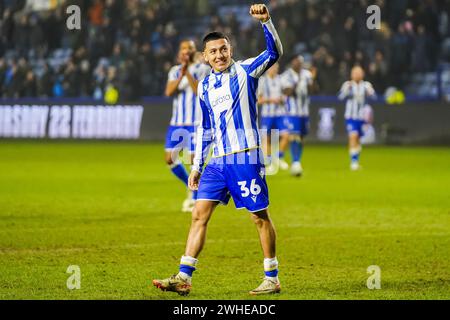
(218, 54)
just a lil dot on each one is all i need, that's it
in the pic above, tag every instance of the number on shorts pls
(255, 189)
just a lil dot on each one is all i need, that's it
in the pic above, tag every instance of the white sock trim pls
(270, 264)
(355, 151)
(189, 261)
(175, 164)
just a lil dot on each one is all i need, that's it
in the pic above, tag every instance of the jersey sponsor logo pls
(220, 100)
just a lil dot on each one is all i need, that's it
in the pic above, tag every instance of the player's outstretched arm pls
(256, 67)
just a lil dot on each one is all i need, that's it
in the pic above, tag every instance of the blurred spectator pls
(45, 82)
(327, 71)
(378, 71)
(71, 80)
(29, 88)
(401, 48)
(130, 44)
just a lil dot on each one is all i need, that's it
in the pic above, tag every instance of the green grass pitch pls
(113, 210)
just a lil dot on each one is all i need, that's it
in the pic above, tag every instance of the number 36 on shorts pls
(254, 189)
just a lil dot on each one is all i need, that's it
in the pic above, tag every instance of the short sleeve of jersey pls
(173, 73)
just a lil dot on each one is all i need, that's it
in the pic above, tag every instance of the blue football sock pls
(180, 172)
(281, 155)
(188, 265)
(355, 154)
(300, 151)
(295, 151)
(271, 268)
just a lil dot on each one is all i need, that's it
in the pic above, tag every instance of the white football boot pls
(296, 169)
(283, 164)
(188, 203)
(354, 166)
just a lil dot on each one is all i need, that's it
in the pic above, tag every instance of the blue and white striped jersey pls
(229, 104)
(356, 95)
(270, 88)
(298, 104)
(185, 108)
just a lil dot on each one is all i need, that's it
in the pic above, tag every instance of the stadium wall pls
(410, 123)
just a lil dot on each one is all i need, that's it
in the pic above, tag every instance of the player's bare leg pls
(267, 237)
(181, 283)
(197, 234)
(354, 150)
(266, 231)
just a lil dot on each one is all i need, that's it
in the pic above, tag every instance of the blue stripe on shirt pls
(183, 105)
(237, 113)
(208, 104)
(252, 87)
(207, 132)
(193, 108)
(175, 113)
(223, 129)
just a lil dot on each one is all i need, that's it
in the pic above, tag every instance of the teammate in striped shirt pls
(270, 97)
(182, 85)
(297, 84)
(356, 93)
(229, 125)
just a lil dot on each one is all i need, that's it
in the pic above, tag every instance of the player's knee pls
(294, 138)
(260, 218)
(168, 159)
(200, 216)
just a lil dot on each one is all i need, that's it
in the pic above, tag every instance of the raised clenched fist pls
(260, 12)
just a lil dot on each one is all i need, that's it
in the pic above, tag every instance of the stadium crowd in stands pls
(130, 45)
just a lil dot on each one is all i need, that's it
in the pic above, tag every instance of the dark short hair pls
(296, 56)
(215, 35)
